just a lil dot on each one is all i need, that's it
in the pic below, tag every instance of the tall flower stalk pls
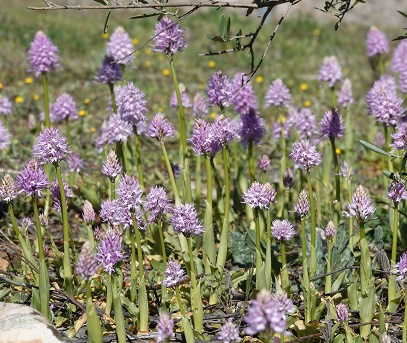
(396, 193)
(32, 181)
(132, 107)
(329, 234)
(8, 192)
(362, 208)
(225, 132)
(204, 142)
(259, 196)
(306, 155)
(51, 147)
(183, 135)
(68, 280)
(86, 267)
(333, 128)
(185, 221)
(302, 208)
(169, 39)
(174, 275)
(44, 278)
(109, 255)
(283, 231)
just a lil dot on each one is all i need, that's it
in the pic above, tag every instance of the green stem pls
(196, 300)
(68, 131)
(198, 181)
(349, 338)
(333, 95)
(180, 304)
(224, 238)
(133, 269)
(24, 247)
(284, 271)
(313, 258)
(392, 279)
(138, 242)
(303, 242)
(349, 132)
(112, 189)
(90, 236)
(46, 99)
(365, 268)
(328, 283)
(113, 97)
(183, 136)
(67, 234)
(395, 233)
(386, 145)
(268, 252)
(118, 312)
(381, 65)
(208, 236)
(94, 329)
(161, 232)
(109, 294)
(283, 147)
(171, 174)
(404, 337)
(43, 270)
(137, 144)
(124, 155)
(305, 276)
(189, 334)
(259, 261)
(350, 217)
(251, 161)
(183, 139)
(336, 169)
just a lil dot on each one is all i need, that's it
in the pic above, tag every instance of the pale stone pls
(23, 324)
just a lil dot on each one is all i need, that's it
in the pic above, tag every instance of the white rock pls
(23, 324)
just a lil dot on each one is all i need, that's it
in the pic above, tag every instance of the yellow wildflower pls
(36, 97)
(303, 86)
(213, 115)
(316, 32)
(19, 99)
(86, 101)
(307, 103)
(92, 129)
(105, 35)
(135, 41)
(166, 72)
(147, 64)
(28, 80)
(259, 79)
(82, 113)
(211, 64)
(338, 151)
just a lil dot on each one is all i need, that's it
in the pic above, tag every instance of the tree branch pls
(216, 4)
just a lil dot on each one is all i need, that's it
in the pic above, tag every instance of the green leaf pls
(339, 339)
(403, 14)
(388, 174)
(242, 247)
(223, 27)
(215, 38)
(374, 148)
(94, 328)
(101, 2)
(4, 292)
